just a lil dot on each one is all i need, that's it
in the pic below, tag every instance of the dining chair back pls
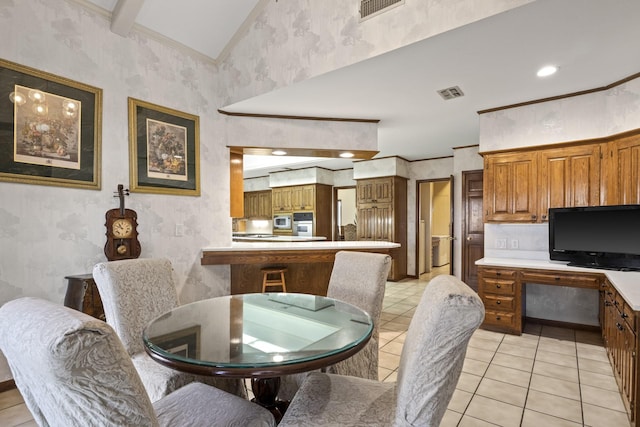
(357, 278)
(430, 365)
(133, 293)
(73, 370)
(360, 278)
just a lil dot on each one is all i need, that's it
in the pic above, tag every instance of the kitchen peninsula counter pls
(309, 264)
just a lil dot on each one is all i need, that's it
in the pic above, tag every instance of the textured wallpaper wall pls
(49, 232)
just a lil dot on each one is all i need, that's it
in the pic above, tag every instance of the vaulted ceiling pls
(493, 61)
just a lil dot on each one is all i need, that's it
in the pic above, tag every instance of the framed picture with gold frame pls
(164, 150)
(50, 129)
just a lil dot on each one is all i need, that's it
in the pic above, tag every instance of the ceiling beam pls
(124, 16)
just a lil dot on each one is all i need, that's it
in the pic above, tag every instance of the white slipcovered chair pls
(357, 278)
(430, 365)
(133, 293)
(72, 370)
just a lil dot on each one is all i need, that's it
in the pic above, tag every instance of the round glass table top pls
(257, 333)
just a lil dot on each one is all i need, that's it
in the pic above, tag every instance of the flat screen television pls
(605, 237)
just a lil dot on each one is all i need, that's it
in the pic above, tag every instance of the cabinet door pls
(296, 198)
(568, 177)
(510, 187)
(264, 204)
(376, 190)
(250, 204)
(375, 222)
(308, 197)
(303, 197)
(281, 199)
(365, 191)
(622, 171)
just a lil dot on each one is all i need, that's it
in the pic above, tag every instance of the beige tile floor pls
(546, 377)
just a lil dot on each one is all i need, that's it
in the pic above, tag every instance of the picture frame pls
(50, 129)
(164, 150)
(185, 342)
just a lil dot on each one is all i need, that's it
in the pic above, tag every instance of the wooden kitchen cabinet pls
(376, 223)
(376, 190)
(281, 199)
(315, 198)
(622, 172)
(620, 339)
(502, 294)
(510, 187)
(521, 186)
(382, 215)
(569, 177)
(257, 204)
(303, 197)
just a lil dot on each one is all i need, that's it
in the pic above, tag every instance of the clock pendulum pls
(122, 235)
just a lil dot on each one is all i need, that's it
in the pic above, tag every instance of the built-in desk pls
(502, 287)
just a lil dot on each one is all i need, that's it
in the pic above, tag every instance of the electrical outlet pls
(179, 230)
(513, 244)
(501, 243)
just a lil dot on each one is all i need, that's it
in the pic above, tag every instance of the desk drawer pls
(499, 273)
(498, 286)
(501, 320)
(499, 302)
(562, 279)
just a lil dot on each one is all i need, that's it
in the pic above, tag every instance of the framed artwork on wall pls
(164, 150)
(50, 129)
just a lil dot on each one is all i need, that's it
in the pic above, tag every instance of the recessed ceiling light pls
(346, 155)
(547, 71)
(279, 153)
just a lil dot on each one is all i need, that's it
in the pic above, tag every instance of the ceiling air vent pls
(370, 7)
(451, 92)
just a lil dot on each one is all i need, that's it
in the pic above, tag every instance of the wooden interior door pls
(472, 226)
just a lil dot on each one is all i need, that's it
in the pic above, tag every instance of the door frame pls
(334, 218)
(464, 225)
(417, 220)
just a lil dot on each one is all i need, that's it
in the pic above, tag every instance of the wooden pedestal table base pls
(265, 391)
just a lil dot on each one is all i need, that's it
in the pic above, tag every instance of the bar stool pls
(279, 281)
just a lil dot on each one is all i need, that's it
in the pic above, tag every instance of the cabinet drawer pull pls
(533, 217)
(498, 317)
(624, 315)
(498, 302)
(619, 326)
(498, 286)
(498, 273)
(557, 278)
(615, 303)
(607, 303)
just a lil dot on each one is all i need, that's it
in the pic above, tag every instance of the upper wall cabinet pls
(510, 187)
(569, 177)
(623, 174)
(281, 199)
(522, 186)
(303, 197)
(257, 204)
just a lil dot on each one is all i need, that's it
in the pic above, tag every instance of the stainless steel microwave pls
(282, 222)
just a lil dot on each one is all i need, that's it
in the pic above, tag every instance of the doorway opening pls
(345, 213)
(434, 214)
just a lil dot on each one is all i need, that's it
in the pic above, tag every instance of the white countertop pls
(275, 246)
(627, 283)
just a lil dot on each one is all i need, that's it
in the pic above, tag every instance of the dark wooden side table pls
(82, 295)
